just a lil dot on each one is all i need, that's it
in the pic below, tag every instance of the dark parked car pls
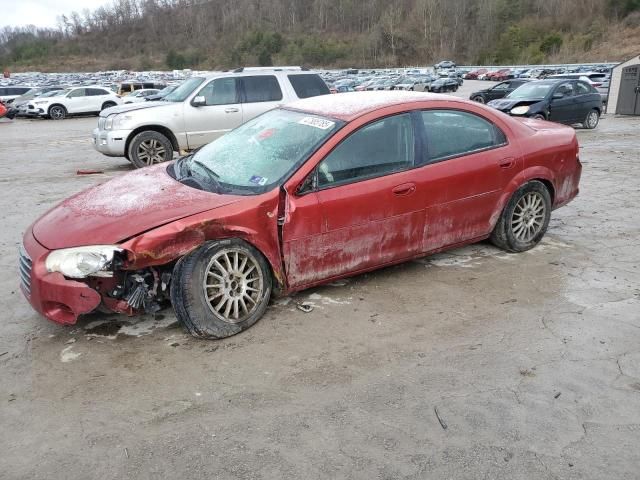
(500, 90)
(314, 191)
(562, 101)
(445, 64)
(444, 85)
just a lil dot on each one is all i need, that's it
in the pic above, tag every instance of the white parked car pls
(139, 95)
(73, 101)
(200, 110)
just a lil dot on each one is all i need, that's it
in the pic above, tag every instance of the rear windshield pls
(308, 85)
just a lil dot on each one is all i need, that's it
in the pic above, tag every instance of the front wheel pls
(57, 112)
(107, 105)
(148, 148)
(525, 218)
(591, 120)
(478, 98)
(538, 116)
(221, 289)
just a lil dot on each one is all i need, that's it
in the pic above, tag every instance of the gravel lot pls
(532, 360)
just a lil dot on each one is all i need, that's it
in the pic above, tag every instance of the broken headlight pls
(82, 262)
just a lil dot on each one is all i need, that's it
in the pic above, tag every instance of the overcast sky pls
(41, 13)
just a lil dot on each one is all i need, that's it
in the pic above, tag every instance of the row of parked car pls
(57, 102)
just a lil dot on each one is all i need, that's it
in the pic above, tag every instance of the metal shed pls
(624, 89)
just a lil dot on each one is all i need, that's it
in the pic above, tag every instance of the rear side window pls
(308, 85)
(221, 91)
(94, 92)
(261, 88)
(451, 133)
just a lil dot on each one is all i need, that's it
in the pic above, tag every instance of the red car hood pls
(122, 208)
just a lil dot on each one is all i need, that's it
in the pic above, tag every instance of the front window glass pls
(566, 89)
(184, 90)
(380, 148)
(221, 91)
(261, 153)
(78, 92)
(531, 91)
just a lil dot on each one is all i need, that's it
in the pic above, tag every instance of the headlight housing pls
(82, 262)
(520, 110)
(120, 121)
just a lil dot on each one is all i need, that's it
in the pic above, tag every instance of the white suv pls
(73, 101)
(200, 110)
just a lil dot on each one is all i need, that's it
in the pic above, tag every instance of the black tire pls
(506, 234)
(592, 119)
(108, 105)
(539, 116)
(189, 294)
(57, 112)
(478, 98)
(148, 148)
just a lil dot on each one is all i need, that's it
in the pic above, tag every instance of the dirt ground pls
(532, 361)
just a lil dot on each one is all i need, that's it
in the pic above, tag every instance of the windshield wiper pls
(210, 174)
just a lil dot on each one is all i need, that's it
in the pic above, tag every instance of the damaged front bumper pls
(63, 300)
(51, 294)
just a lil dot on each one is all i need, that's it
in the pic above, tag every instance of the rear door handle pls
(231, 110)
(507, 162)
(404, 189)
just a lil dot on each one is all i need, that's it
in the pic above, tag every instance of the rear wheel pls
(148, 148)
(57, 112)
(221, 289)
(592, 119)
(525, 218)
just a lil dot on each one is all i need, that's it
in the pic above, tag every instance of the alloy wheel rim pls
(151, 151)
(56, 113)
(233, 285)
(592, 120)
(528, 217)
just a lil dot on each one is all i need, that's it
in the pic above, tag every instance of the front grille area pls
(101, 121)
(25, 271)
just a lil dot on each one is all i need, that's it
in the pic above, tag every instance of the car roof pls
(348, 106)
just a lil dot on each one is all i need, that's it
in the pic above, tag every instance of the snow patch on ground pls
(68, 355)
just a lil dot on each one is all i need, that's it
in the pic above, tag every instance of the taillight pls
(596, 84)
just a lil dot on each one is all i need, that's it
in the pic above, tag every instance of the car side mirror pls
(199, 101)
(558, 95)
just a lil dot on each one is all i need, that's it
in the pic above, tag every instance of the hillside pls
(207, 34)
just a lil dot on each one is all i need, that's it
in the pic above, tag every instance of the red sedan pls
(320, 189)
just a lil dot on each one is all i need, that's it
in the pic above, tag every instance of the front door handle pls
(404, 189)
(507, 162)
(231, 110)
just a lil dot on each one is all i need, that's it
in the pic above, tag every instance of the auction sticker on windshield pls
(258, 180)
(317, 123)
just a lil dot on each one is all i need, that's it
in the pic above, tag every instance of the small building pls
(624, 88)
